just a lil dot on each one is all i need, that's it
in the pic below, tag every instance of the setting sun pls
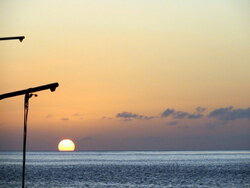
(66, 145)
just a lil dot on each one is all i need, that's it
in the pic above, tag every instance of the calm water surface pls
(227, 169)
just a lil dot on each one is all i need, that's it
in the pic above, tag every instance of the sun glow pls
(66, 145)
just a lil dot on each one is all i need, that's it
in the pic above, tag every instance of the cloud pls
(200, 109)
(64, 119)
(167, 112)
(222, 114)
(180, 114)
(194, 116)
(107, 118)
(229, 113)
(128, 116)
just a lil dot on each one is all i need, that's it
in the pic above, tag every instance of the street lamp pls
(28, 93)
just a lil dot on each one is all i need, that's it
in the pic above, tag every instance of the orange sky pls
(139, 57)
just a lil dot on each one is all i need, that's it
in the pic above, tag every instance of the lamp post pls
(28, 93)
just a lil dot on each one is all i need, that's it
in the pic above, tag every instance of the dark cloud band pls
(229, 113)
(129, 116)
(181, 115)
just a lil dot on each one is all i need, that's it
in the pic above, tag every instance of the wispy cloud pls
(127, 116)
(222, 114)
(168, 112)
(106, 118)
(229, 113)
(200, 109)
(181, 114)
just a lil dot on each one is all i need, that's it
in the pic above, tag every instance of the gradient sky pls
(133, 75)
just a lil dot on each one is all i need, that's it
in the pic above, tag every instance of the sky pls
(133, 75)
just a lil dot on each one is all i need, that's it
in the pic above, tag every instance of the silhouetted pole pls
(26, 109)
(28, 94)
(20, 38)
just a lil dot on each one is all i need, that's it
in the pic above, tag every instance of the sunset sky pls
(132, 74)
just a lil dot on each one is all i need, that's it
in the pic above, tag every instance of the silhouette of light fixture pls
(28, 93)
(20, 38)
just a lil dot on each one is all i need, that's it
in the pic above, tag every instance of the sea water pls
(143, 169)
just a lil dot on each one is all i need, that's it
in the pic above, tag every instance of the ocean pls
(142, 169)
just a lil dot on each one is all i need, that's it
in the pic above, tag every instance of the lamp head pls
(53, 87)
(21, 38)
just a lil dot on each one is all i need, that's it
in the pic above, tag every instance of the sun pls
(66, 145)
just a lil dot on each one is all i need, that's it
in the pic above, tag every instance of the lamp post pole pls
(26, 109)
(28, 93)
